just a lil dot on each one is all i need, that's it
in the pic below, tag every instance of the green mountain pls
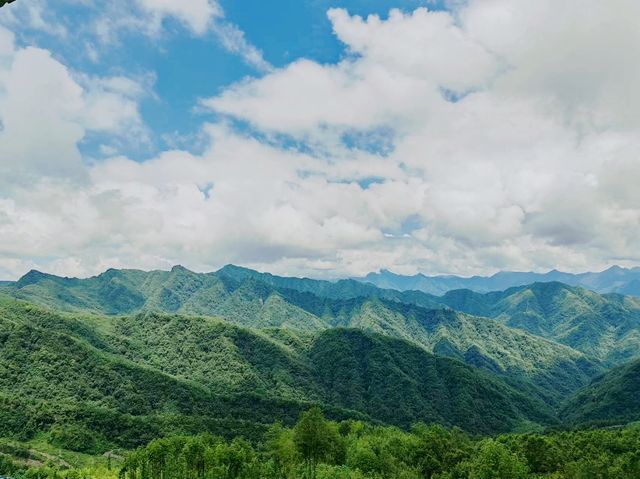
(256, 300)
(606, 327)
(127, 379)
(611, 399)
(181, 290)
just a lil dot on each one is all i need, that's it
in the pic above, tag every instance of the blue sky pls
(185, 67)
(326, 138)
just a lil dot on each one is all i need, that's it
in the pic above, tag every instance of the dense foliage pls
(316, 448)
(130, 379)
(612, 399)
(605, 327)
(208, 362)
(548, 370)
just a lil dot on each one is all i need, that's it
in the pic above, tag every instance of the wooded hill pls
(122, 381)
(234, 350)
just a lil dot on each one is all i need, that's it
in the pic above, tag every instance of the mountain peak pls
(615, 269)
(32, 277)
(233, 267)
(180, 269)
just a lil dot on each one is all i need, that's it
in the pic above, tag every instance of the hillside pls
(611, 399)
(160, 373)
(555, 370)
(613, 280)
(256, 300)
(606, 327)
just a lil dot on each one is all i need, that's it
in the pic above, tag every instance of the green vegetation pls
(606, 327)
(92, 384)
(208, 362)
(548, 370)
(319, 449)
(613, 398)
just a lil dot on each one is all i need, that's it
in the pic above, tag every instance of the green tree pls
(316, 440)
(280, 448)
(437, 449)
(495, 461)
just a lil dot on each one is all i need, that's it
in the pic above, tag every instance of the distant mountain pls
(129, 291)
(606, 326)
(611, 399)
(131, 378)
(256, 300)
(613, 280)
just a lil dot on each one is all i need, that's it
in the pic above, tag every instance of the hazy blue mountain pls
(342, 289)
(613, 280)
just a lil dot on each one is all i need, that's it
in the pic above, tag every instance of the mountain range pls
(179, 351)
(255, 300)
(613, 280)
(133, 378)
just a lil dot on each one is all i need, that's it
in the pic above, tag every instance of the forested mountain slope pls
(258, 300)
(603, 326)
(180, 290)
(613, 398)
(162, 373)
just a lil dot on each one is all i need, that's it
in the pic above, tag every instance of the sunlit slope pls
(162, 373)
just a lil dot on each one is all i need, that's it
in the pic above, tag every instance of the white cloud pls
(514, 145)
(402, 64)
(198, 16)
(581, 56)
(235, 41)
(422, 44)
(195, 14)
(101, 25)
(45, 113)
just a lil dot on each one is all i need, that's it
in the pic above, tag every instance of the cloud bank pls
(503, 134)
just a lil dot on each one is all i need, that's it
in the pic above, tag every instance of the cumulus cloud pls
(45, 113)
(400, 68)
(510, 142)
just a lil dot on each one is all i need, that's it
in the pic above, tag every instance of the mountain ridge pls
(611, 399)
(605, 326)
(163, 372)
(615, 279)
(256, 300)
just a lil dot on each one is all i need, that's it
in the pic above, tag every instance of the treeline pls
(316, 448)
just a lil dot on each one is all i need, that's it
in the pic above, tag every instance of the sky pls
(325, 138)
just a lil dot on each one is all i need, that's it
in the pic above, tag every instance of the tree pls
(316, 440)
(4, 2)
(494, 461)
(437, 449)
(281, 450)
